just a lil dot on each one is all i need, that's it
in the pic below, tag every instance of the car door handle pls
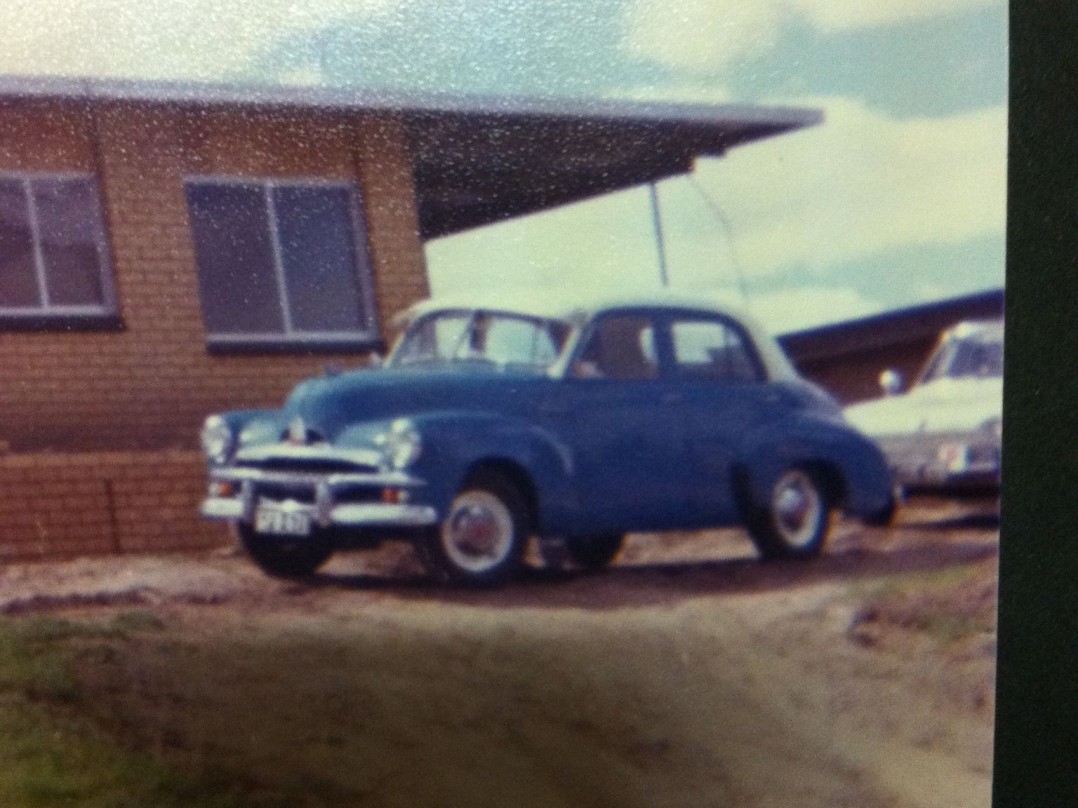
(671, 397)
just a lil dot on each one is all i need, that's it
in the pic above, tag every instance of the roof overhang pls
(479, 160)
(922, 323)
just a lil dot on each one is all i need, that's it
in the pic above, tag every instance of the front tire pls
(795, 520)
(482, 539)
(282, 557)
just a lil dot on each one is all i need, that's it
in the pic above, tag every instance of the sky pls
(897, 198)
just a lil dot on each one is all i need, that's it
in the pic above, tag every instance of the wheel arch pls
(512, 472)
(831, 480)
(751, 488)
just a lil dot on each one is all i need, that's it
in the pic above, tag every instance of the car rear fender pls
(850, 466)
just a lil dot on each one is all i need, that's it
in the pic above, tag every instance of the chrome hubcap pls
(478, 533)
(798, 508)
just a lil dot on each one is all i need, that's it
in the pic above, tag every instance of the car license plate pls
(278, 521)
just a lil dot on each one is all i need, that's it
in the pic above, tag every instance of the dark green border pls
(1036, 761)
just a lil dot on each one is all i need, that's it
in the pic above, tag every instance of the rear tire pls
(282, 557)
(795, 520)
(482, 539)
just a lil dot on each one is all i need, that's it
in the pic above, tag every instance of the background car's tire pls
(795, 520)
(482, 539)
(593, 552)
(284, 557)
(885, 517)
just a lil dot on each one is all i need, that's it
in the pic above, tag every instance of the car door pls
(723, 396)
(623, 428)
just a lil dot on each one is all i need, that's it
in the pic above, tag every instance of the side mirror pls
(892, 382)
(376, 360)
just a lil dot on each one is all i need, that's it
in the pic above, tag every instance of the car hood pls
(332, 404)
(946, 405)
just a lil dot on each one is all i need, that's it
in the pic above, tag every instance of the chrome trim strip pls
(313, 479)
(222, 508)
(368, 514)
(384, 514)
(317, 451)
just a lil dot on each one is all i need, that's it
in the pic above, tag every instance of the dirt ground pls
(863, 678)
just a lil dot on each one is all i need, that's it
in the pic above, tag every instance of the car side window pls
(712, 350)
(516, 341)
(620, 347)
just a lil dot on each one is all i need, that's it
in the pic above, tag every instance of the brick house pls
(171, 250)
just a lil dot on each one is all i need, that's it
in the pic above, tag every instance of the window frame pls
(595, 323)
(730, 324)
(291, 340)
(64, 316)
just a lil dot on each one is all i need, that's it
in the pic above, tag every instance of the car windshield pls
(968, 357)
(471, 337)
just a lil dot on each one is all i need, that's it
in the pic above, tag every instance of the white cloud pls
(795, 309)
(862, 183)
(169, 39)
(606, 243)
(695, 33)
(801, 208)
(715, 34)
(831, 15)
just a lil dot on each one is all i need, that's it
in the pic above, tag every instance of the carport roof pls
(478, 160)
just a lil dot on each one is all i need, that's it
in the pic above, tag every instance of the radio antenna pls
(729, 232)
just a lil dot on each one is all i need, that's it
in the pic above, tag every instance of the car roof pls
(976, 329)
(570, 307)
(580, 306)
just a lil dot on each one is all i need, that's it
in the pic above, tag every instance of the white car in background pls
(944, 433)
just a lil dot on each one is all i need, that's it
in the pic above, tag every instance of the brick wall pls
(103, 426)
(59, 505)
(150, 385)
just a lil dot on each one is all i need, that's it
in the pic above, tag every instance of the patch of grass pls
(951, 605)
(408, 704)
(51, 753)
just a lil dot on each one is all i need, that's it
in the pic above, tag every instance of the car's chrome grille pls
(309, 465)
(306, 494)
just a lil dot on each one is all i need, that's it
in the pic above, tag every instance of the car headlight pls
(217, 439)
(400, 444)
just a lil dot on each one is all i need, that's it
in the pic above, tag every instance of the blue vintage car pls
(490, 423)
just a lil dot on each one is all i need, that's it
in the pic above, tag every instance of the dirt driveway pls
(862, 678)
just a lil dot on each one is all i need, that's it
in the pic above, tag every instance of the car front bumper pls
(944, 462)
(324, 500)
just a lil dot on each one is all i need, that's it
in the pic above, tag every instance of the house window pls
(54, 258)
(281, 263)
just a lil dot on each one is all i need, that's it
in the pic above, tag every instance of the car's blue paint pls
(597, 455)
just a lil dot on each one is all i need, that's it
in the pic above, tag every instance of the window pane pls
(235, 259)
(18, 282)
(70, 232)
(515, 341)
(621, 348)
(433, 339)
(711, 350)
(314, 226)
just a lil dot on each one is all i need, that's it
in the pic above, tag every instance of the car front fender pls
(457, 443)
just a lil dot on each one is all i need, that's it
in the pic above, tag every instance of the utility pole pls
(657, 219)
